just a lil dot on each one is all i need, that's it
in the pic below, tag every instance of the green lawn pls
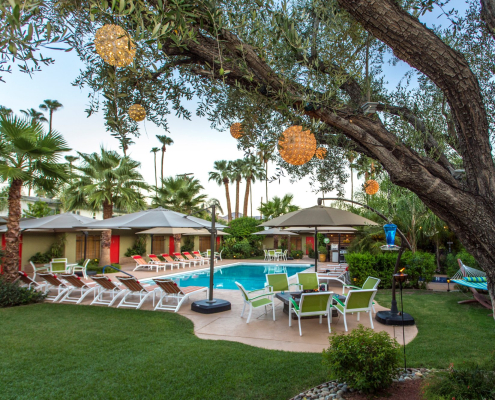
(57, 351)
(448, 332)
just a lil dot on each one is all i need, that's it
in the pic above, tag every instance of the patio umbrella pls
(53, 223)
(318, 216)
(275, 231)
(181, 231)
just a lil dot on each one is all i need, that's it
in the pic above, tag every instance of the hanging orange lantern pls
(296, 146)
(371, 187)
(137, 112)
(321, 153)
(115, 45)
(236, 130)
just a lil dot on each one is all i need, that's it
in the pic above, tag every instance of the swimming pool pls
(251, 276)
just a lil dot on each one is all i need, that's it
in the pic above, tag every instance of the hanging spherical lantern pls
(114, 45)
(137, 112)
(236, 130)
(296, 146)
(321, 153)
(371, 187)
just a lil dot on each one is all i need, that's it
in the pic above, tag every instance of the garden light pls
(296, 146)
(236, 130)
(114, 45)
(390, 231)
(137, 112)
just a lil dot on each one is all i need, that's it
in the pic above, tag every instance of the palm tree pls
(155, 150)
(51, 106)
(35, 115)
(28, 155)
(71, 160)
(165, 141)
(265, 154)
(180, 194)
(278, 206)
(221, 177)
(351, 156)
(251, 171)
(5, 111)
(236, 175)
(106, 180)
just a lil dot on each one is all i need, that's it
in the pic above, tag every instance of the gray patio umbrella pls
(275, 231)
(318, 216)
(181, 231)
(53, 223)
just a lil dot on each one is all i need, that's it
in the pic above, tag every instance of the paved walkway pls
(262, 331)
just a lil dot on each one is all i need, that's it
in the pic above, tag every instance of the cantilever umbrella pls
(53, 223)
(318, 216)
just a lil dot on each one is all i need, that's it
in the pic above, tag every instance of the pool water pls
(251, 276)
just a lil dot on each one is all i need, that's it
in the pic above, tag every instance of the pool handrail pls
(111, 266)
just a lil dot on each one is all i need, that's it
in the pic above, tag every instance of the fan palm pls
(221, 177)
(51, 106)
(5, 111)
(278, 206)
(35, 115)
(180, 194)
(106, 180)
(165, 141)
(155, 150)
(236, 175)
(30, 156)
(71, 160)
(251, 171)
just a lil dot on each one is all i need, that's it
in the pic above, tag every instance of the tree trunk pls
(163, 156)
(106, 236)
(246, 196)
(227, 195)
(177, 239)
(266, 181)
(12, 236)
(156, 178)
(352, 184)
(51, 114)
(275, 241)
(237, 186)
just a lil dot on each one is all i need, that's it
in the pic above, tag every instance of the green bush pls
(366, 360)
(139, 247)
(311, 252)
(242, 243)
(453, 265)
(11, 294)
(56, 250)
(93, 265)
(468, 382)
(296, 254)
(40, 258)
(188, 244)
(418, 266)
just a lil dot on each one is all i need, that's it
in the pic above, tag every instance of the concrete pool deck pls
(262, 331)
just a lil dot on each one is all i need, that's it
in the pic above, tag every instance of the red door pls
(171, 245)
(310, 242)
(115, 249)
(4, 243)
(218, 243)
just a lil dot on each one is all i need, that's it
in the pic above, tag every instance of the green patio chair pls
(280, 283)
(369, 283)
(256, 298)
(309, 281)
(58, 265)
(312, 304)
(356, 301)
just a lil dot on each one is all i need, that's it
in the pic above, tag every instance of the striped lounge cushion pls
(475, 279)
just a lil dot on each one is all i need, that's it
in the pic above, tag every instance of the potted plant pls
(322, 253)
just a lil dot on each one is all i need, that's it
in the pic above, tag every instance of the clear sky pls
(196, 146)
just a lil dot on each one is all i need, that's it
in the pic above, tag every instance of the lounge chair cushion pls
(475, 279)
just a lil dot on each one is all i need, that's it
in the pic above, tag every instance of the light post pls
(211, 305)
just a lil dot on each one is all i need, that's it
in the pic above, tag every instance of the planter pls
(322, 257)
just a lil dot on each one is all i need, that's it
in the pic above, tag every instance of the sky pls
(196, 146)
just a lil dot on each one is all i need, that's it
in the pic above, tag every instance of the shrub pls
(139, 247)
(311, 252)
(366, 360)
(242, 243)
(296, 254)
(453, 265)
(188, 244)
(40, 258)
(419, 265)
(469, 382)
(56, 250)
(11, 294)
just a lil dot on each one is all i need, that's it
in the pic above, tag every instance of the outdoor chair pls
(180, 257)
(169, 289)
(197, 255)
(59, 265)
(44, 268)
(155, 260)
(312, 304)
(134, 288)
(280, 283)
(267, 257)
(369, 283)
(106, 287)
(272, 255)
(170, 260)
(217, 256)
(255, 299)
(191, 259)
(28, 282)
(309, 281)
(82, 268)
(356, 301)
(77, 285)
(53, 283)
(141, 263)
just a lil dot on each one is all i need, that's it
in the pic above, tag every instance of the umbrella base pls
(205, 307)
(388, 318)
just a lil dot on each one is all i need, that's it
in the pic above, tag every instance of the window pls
(158, 244)
(92, 247)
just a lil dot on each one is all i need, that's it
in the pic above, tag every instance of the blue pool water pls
(251, 276)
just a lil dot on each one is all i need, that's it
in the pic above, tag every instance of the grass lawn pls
(58, 351)
(448, 332)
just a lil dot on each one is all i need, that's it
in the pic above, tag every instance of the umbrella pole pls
(151, 249)
(85, 243)
(316, 249)
(212, 254)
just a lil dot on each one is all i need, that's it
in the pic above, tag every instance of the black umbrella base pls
(205, 307)
(387, 318)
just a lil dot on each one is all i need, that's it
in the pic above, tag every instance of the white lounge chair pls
(170, 290)
(134, 288)
(54, 283)
(77, 285)
(141, 263)
(106, 287)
